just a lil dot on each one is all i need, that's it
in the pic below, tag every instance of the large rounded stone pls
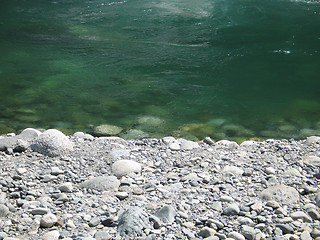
(132, 221)
(124, 167)
(4, 210)
(281, 193)
(52, 143)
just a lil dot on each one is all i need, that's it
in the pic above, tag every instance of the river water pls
(236, 69)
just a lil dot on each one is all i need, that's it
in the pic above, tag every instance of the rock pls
(107, 130)
(135, 134)
(39, 211)
(102, 235)
(232, 170)
(52, 235)
(186, 144)
(301, 215)
(248, 232)
(207, 232)
(166, 214)
(102, 183)
(132, 222)
(312, 160)
(174, 146)
(236, 236)
(231, 209)
(21, 142)
(281, 193)
(4, 210)
(285, 228)
(312, 139)
(52, 143)
(273, 204)
(66, 187)
(270, 170)
(122, 195)
(313, 213)
(305, 235)
(208, 140)
(48, 220)
(217, 206)
(124, 167)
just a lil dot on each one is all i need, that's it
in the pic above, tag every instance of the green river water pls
(225, 68)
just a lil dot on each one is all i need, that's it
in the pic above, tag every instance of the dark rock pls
(132, 222)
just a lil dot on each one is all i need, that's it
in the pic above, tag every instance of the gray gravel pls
(110, 188)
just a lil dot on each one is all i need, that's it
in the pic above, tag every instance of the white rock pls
(52, 143)
(52, 235)
(124, 167)
(66, 187)
(233, 170)
(48, 220)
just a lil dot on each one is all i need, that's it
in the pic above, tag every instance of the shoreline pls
(83, 187)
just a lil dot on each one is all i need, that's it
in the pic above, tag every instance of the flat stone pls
(232, 170)
(107, 130)
(102, 235)
(39, 211)
(281, 193)
(124, 167)
(102, 183)
(301, 215)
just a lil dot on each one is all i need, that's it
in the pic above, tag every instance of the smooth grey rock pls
(52, 143)
(48, 220)
(124, 167)
(281, 193)
(66, 187)
(52, 235)
(248, 232)
(236, 236)
(94, 222)
(231, 209)
(216, 206)
(4, 210)
(301, 215)
(132, 222)
(39, 211)
(166, 214)
(102, 235)
(207, 232)
(312, 160)
(122, 195)
(285, 228)
(102, 183)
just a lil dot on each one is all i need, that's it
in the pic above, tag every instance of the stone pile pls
(81, 187)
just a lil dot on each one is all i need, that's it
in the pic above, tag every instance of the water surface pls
(246, 68)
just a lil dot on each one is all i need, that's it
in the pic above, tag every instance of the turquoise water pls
(229, 69)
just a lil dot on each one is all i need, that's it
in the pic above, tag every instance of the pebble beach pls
(54, 187)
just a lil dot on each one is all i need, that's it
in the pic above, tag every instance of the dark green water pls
(248, 68)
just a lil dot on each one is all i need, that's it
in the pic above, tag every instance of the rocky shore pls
(54, 186)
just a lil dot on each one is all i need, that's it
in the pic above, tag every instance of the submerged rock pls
(107, 130)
